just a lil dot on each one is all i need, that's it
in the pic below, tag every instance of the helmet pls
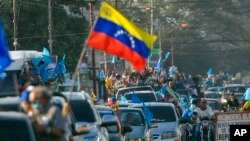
(117, 76)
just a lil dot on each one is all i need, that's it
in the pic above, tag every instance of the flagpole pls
(91, 11)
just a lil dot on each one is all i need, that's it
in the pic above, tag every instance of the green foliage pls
(69, 32)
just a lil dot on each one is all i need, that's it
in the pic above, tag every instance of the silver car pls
(166, 118)
(115, 131)
(136, 119)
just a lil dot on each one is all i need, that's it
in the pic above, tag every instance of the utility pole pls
(151, 23)
(50, 26)
(15, 43)
(91, 11)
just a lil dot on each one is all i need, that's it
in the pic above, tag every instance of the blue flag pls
(147, 113)
(113, 60)
(124, 99)
(42, 71)
(135, 98)
(102, 75)
(246, 95)
(60, 67)
(4, 51)
(46, 52)
(46, 55)
(159, 65)
(166, 56)
(210, 71)
(36, 61)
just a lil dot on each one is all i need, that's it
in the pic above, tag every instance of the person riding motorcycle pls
(232, 102)
(204, 111)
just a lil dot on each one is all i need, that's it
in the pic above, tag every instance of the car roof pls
(101, 107)
(146, 86)
(10, 100)
(234, 85)
(77, 95)
(13, 116)
(151, 104)
(210, 92)
(140, 92)
(129, 109)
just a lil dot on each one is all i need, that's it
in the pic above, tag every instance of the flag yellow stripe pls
(109, 13)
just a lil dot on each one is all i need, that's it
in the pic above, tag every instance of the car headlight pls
(168, 134)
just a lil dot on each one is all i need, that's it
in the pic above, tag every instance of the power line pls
(61, 35)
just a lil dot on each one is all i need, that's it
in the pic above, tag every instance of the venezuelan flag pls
(115, 34)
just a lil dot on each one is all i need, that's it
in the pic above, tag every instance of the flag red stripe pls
(111, 45)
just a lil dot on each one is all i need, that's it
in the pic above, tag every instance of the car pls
(214, 104)
(16, 126)
(145, 96)
(212, 95)
(122, 91)
(10, 104)
(238, 89)
(86, 123)
(117, 131)
(136, 119)
(216, 89)
(166, 119)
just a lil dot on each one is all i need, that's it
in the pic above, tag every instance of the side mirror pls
(108, 120)
(153, 126)
(127, 128)
(81, 128)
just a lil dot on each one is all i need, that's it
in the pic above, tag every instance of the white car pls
(165, 117)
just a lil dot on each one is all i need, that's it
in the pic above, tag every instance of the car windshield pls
(19, 128)
(110, 128)
(235, 89)
(211, 96)
(105, 112)
(82, 111)
(214, 105)
(134, 118)
(145, 97)
(215, 89)
(162, 114)
(123, 91)
(7, 85)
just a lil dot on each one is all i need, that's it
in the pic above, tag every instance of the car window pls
(214, 105)
(123, 91)
(105, 112)
(134, 118)
(82, 111)
(110, 128)
(211, 96)
(145, 97)
(14, 130)
(7, 85)
(162, 114)
(235, 89)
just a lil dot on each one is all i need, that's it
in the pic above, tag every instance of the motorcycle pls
(233, 109)
(205, 129)
(185, 132)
